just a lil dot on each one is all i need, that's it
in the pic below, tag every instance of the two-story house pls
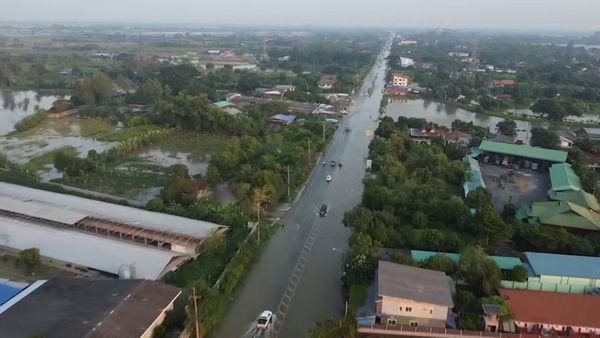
(400, 80)
(412, 296)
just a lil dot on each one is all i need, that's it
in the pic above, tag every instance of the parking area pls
(523, 186)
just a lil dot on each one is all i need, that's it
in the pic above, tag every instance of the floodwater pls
(443, 115)
(166, 158)
(584, 118)
(15, 105)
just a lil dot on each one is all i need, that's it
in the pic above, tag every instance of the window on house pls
(400, 309)
(414, 323)
(392, 321)
(430, 312)
(408, 309)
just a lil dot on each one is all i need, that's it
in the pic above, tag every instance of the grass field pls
(39, 162)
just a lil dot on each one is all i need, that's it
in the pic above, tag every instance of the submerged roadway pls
(298, 276)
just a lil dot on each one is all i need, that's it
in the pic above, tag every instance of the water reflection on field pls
(15, 105)
(444, 114)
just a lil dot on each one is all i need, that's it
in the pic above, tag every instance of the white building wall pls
(398, 307)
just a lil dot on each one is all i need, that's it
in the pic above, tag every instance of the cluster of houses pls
(558, 299)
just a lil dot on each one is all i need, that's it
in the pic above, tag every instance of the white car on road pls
(328, 178)
(264, 320)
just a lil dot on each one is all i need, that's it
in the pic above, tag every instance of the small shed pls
(283, 119)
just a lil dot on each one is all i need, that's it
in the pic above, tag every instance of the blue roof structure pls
(7, 292)
(475, 177)
(284, 118)
(564, 265)
(503, 262)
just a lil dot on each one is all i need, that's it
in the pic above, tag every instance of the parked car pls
(323, 211)
(328, 178)
(264, 320)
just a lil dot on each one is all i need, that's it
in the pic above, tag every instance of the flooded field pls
(15, 105)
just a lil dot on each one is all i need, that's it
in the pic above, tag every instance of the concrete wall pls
(529, 327)
(405, 310)
(159, 319)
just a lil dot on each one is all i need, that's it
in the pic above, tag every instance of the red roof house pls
(561, 313)
(503, 83)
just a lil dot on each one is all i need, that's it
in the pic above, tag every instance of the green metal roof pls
(505, 263)
(475, 180)
(224, 104)
(579, 197)
(563, 177)
(565, 214)
(524, 150)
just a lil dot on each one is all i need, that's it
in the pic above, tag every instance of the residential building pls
(283, 119)
(405, 62)
(408, 42)
(553, 313)
(458, 54)
(399, 80)
(426, 134)
(227, 107)
(458, 137)
(503, 83)
(98, 238)
(412, 296)
(202, 188)
(592, 134)
(94, 308)
(327, 81)
(491, 317)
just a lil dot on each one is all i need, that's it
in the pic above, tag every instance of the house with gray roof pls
(412, 296)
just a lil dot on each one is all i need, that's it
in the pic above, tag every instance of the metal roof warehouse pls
(98, 235)
(523, 150)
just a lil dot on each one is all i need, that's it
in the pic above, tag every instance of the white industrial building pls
(98, 236)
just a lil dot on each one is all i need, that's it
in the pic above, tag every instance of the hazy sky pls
(579, 15)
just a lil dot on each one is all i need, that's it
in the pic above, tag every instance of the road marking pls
(294, 280)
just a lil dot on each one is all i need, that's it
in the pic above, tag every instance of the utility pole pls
(309, 157)
(196, 312)
(323, 132)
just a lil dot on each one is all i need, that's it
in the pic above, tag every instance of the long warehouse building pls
(98, 236)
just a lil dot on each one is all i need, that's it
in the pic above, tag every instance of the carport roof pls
(524, 150)
(563, 177)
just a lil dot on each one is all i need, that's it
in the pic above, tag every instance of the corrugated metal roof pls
(110, 211)
(7, 292)
(503, 262)
(44, 211)
(100, 253)
(419, 285)
(475, 176)
(565, 214)
(580, 197)
(563, 177)
(564, 265)
(224, 104)
(524, 150)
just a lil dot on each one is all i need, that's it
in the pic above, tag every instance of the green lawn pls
(358, 295)
(39, 162)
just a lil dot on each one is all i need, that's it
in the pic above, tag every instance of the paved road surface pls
(299, 274)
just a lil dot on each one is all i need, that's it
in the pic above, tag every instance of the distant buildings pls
(592, 134)
(405, 62)
(503, 83)
(399, 80)
(426, 134)
(94, 308)
(408, 42)
(327, 81)
(283, 119)
(458, 54)
(227, 107)
(553, 313)
(396, 90)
